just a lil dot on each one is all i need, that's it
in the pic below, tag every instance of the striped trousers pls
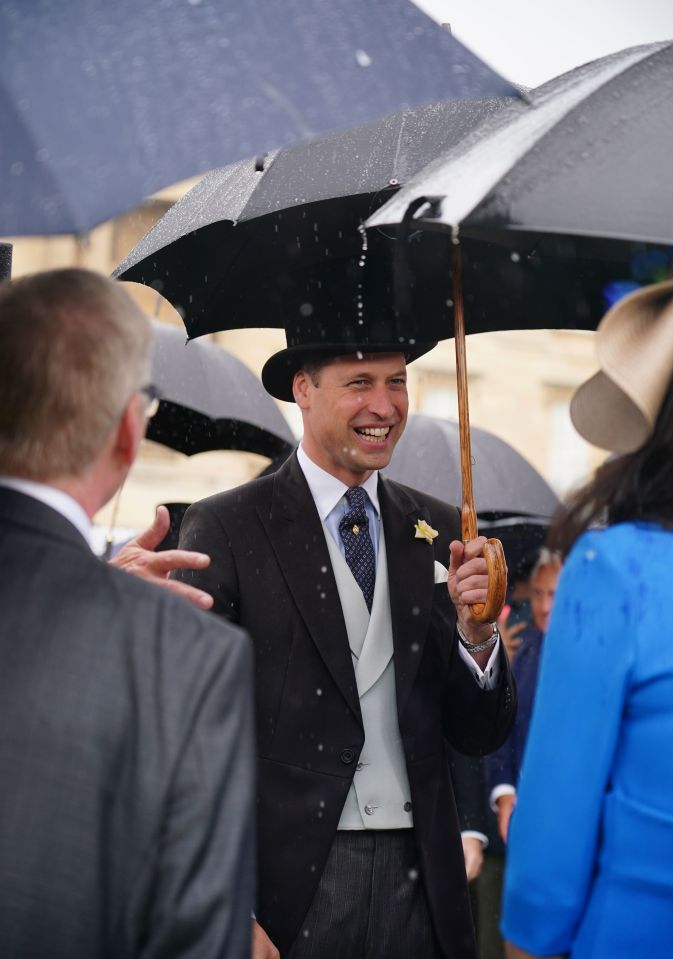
(370, 902)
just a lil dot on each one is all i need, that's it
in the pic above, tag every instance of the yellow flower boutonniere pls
(425, 531)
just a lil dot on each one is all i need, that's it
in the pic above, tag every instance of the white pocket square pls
(441, 573)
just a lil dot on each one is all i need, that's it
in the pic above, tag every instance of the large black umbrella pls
(427, 457)
(102, 102)
(575, 186)
(541, 181)
(211, 401)
(284, 216)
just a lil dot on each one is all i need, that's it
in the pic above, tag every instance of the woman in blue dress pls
(590, 855)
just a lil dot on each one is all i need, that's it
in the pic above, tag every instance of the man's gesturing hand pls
(262, 947)
(138, 557)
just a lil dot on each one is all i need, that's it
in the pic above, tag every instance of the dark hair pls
(634, 486)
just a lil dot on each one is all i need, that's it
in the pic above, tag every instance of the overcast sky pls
(530, 41)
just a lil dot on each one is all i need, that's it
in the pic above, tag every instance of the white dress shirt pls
(328, 493)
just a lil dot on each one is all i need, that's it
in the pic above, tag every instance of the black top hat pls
(338, 308)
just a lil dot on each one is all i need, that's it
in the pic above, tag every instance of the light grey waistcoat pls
(380, 797)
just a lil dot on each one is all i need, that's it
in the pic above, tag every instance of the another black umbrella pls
(103, 102)
(574, 189)
(6, 261)
(522, 538)
(283, 217)
(427, 457)
(211, 401)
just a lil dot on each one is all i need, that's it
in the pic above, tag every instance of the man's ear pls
(301, 386)
(130, 432)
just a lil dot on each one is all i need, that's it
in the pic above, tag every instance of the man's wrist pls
(482, 643)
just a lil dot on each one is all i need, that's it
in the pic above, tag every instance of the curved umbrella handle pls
(489, 611)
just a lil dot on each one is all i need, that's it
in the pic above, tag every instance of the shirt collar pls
(59, 501)
(327, 490)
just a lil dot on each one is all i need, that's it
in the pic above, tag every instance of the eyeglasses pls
(153, 399)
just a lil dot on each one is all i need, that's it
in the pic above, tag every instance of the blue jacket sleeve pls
(584, 678)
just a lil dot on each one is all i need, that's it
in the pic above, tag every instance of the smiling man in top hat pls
(340, 577)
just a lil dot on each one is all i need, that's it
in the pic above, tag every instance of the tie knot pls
(356, 498)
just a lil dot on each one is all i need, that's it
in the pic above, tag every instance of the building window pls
(439, 401)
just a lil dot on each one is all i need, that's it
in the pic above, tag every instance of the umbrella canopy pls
(565, 182)
(521, 538)
(427, 457)
(103, 103)
(6, 261)
(211, 401)
(289, 212)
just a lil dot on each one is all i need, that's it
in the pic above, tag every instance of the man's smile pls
(373, 434)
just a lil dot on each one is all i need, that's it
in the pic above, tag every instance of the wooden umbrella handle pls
(494, 554)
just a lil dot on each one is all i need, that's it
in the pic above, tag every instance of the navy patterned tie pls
(354, 530)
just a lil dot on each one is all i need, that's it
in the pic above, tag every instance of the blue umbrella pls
(103, 102)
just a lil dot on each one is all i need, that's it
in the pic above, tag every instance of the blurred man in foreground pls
(125, 715)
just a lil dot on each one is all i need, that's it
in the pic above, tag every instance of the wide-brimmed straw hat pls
(340, 310)
(617, 408)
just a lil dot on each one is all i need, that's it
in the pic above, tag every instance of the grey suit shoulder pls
(126, 756)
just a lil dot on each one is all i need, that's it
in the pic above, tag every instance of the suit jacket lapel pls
(411, 581)
(298, 540)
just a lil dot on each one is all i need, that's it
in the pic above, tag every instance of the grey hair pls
(546, 557)
(74, 347)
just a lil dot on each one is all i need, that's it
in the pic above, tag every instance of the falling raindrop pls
(363, 233)
(363, 58)
(514, 257)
